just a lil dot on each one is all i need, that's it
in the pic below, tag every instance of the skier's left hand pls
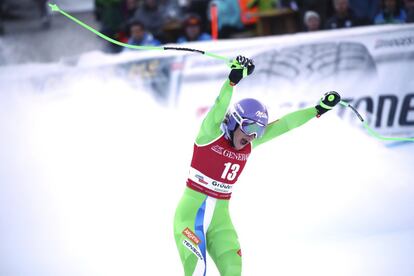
(327, 102)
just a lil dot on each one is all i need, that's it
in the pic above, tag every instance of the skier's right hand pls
(241, 67)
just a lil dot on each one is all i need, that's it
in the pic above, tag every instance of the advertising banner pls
(371, 67)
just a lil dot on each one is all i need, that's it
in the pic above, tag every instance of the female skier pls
(222, 147)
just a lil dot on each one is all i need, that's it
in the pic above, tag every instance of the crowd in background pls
(155, 22)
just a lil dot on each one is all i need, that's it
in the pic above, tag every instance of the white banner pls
(370, 67)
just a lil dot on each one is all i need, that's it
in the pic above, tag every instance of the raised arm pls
(210, 127)
(298, 118)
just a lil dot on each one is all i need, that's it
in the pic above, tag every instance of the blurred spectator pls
(172, 9)
(139, 36)
(128, 9)
(343, 17)
(199, 7)
(312, 21)
(391, 12)
(44, 13)
(153, 15)
(229, 19)
(409, 8)
(109, 13)
(365, 9)
(322, 7)
(192, 28)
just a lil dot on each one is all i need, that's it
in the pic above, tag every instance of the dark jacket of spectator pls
(129, 8)
(344, 17)
(391, 12)
(339, 22)
(152, 14)
(199, 7)
(409, 8)
(365, 9)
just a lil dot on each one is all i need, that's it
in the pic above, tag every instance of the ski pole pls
(56, 8)
(370, 130)
(228, 61)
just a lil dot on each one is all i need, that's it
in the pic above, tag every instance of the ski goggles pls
(248, 126)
